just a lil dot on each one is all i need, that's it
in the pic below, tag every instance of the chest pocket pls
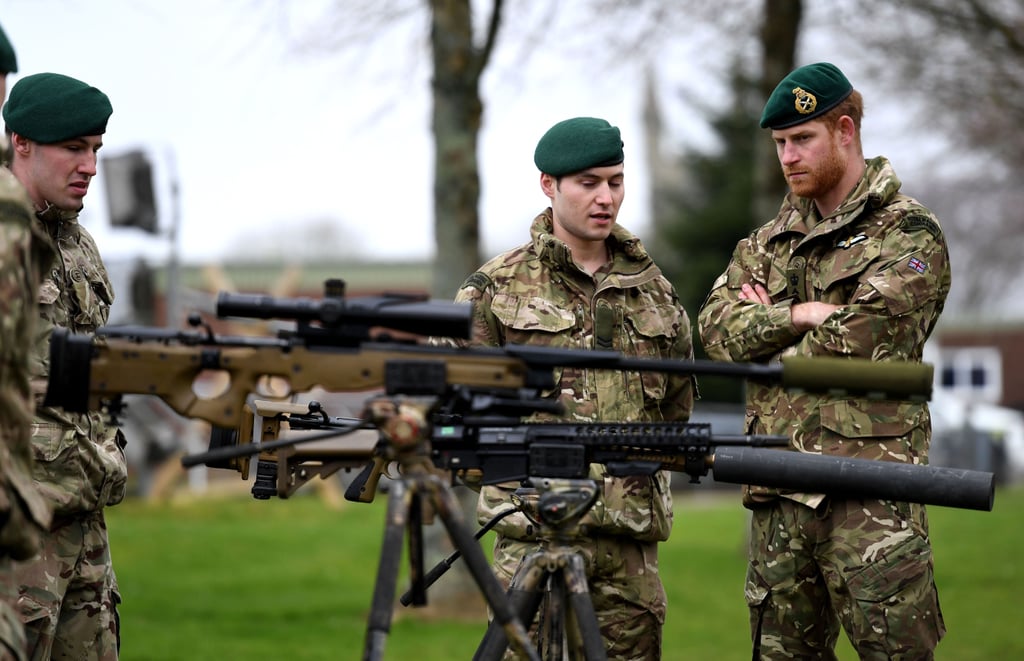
(844, 265)
(652, 330)
(537, 321)
(92, 297)
(87, 296)
(533, 320)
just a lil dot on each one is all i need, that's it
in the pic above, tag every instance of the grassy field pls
(233, 578)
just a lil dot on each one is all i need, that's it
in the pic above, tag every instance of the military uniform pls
(68, 593)
(536, 294)
(882, 257)
(24, 514)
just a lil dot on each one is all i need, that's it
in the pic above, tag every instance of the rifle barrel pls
(820, 374)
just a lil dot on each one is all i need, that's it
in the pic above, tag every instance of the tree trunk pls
(456, 121)
(779, 34)
(457, 112)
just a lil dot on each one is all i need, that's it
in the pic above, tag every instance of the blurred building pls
(978, 401)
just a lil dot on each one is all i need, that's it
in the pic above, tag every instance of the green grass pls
(239, 578)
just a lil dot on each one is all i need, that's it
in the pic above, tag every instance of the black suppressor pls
(855, 478)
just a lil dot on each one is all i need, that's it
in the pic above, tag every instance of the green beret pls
(576, 144)
(8, 60)
(50, 107)
(806, 93)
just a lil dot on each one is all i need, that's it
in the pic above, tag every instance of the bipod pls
(554, 575)
(404, 426)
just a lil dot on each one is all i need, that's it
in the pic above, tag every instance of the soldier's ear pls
(548, 184)
(847, 129)
(21, 144)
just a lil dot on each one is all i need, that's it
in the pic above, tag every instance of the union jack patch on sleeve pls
(917, 265)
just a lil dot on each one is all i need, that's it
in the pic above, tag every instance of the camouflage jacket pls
(24, 256)
(536, 294)
(882, 257)
(80, 464)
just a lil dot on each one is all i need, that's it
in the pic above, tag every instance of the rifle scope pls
(335, 313)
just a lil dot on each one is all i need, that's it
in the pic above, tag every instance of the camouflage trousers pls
(864, 565)
(12, 631)
(67, 595)
(628, 597)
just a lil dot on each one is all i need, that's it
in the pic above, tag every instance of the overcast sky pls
(262, 141)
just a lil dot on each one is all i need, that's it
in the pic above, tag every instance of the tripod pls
(555, 573)
(402, 425)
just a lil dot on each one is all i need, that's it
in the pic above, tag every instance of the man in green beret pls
(583, 281)
(849, 267)
(67, 594)
(25, 256)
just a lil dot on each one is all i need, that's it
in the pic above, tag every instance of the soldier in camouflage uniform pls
(849, 267)
(583, 281)
(67, 594)
(24, 515)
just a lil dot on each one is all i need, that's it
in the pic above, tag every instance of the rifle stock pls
(86, 373)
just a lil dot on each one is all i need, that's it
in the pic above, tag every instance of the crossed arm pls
(805, 315)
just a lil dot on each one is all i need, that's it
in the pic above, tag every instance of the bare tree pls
(459, 59)
(780, 29)
(963, 59)
(958, 65)
(456, 119)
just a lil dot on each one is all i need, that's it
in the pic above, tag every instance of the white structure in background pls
(970, 429)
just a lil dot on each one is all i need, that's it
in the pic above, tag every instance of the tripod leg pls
(417, 589)
(552, 632)
(387, 574)
(525, 593)
(582, 607)
(450, 512)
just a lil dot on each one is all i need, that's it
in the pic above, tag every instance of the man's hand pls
(805, 315)
(755, 294)
(811, 314)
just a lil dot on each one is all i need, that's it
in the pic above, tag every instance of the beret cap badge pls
(805, 102)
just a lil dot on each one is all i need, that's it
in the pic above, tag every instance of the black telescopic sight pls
(391, 311)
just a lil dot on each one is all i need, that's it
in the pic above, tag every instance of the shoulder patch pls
(915, 223)
(478, 280)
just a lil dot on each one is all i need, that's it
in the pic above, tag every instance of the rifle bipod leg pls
(559, 580)
(404, 514)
